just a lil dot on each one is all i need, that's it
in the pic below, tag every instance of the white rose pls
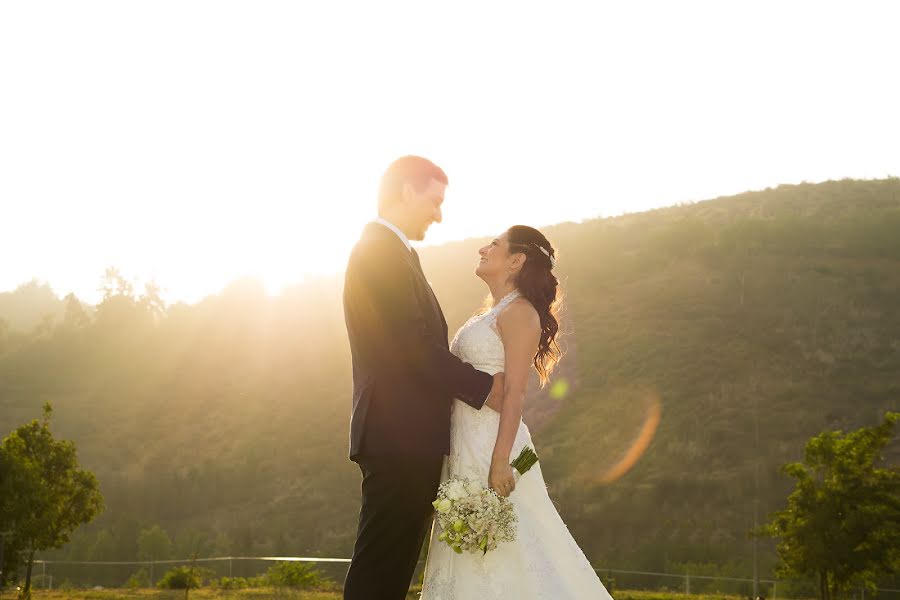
(444, 505)
(456, 490)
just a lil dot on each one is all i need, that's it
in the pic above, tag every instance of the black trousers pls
(395, 518)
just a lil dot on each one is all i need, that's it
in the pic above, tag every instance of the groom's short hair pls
(416, 170)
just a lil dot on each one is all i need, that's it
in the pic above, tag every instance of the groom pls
(404, 380)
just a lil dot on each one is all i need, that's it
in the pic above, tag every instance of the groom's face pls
(423, 207)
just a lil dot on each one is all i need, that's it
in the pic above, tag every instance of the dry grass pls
(289, 594)
(198, 594)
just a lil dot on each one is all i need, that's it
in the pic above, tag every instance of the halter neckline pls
(506, 299)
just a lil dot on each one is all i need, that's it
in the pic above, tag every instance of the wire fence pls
(118, 574)
(128, 573)
(688, 583)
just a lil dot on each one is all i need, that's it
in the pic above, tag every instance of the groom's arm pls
(383, 292)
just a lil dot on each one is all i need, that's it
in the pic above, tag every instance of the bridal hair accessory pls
(547, 253)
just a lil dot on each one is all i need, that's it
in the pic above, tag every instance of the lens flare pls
(652, 415)
(559, 389)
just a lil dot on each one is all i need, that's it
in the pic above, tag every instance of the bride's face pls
(495, 258)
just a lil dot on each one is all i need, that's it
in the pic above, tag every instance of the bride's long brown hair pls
(536, 282)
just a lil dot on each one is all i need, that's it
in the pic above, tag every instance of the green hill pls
(757, 320)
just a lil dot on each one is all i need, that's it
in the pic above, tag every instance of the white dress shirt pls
(396, 230)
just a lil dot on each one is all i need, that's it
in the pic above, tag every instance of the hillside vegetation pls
(756, 320)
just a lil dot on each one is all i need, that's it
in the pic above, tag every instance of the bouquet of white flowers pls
(474, 518)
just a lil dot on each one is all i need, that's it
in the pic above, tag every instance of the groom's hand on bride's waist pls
(495, 398)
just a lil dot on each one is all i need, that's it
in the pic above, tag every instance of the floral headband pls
(547, 253)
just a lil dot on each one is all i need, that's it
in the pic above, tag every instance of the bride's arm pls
(380, 300)
(520, 330)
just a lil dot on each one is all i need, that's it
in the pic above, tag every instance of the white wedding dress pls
(543, 562)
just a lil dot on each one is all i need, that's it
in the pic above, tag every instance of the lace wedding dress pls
(543, 562)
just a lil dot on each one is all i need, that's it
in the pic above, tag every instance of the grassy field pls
(199, 594)
(290, 594)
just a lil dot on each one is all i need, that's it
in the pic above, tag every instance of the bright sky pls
(195, 142)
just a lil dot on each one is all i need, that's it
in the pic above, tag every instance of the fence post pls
(151, 572)
(229, 566)
(774, 590)
(44, 575)
(687, 583)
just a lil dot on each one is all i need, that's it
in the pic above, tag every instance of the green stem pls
(526, 459)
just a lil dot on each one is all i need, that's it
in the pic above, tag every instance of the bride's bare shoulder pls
(520, 314)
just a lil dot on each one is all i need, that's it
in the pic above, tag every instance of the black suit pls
(404, 380)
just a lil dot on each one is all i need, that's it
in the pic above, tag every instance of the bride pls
(517, 334)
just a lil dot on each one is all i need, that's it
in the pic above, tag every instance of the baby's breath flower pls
(473, 518)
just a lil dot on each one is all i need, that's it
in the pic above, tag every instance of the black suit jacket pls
(404, 376)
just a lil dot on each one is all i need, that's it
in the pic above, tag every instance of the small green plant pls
(183, 578)
(294, 574)
(240, 583)
(138, 579)
(229, 583)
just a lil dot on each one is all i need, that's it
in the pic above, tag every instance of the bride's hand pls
(501, 478)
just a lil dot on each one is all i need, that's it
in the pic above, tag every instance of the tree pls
(75, 316)
(53, 496)
(842, 522)
(190, 541)
(15, 479)
(222, 545)
(122, 310)
(104, 547)
(4, 334)
(154, 544)
(114, 283)
(184, 578)
(152, 301)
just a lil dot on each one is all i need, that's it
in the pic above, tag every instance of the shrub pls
(239, 583)
(181, 578)
(138, 579)
(294, 574)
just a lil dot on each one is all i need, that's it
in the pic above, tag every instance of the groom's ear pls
(407, 193)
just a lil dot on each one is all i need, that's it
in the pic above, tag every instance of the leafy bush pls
(138, 579)
(181, 578)
(294, 574)
(281, 574)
